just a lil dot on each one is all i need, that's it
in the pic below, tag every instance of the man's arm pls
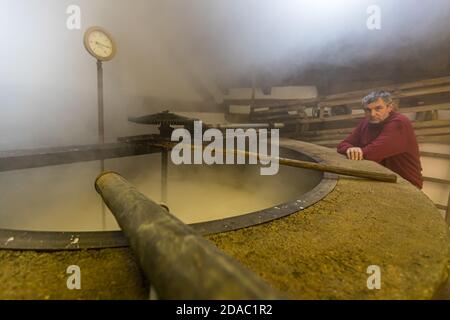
(351, 141)
(390, 142)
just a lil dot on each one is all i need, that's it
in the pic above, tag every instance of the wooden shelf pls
(436, 180)
(435, 155)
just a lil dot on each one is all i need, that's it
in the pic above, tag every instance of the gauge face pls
(99, 44)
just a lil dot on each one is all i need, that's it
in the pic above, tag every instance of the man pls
(386, 137)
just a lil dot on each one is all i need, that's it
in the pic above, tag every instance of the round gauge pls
(99, 44)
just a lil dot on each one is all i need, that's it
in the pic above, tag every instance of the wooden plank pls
(328, 119)
(390, 88)
(273, 103)
(269, 111)
(374, 175)
(343, 135)
(415, 124)
(436, 180)
(441, 106)
(278, 118)
(430, 124)
(440, 138)
(326, 137)
(395, 95)
(43, 157)
(422, 87)
(432, 131)
(422, 91)
(299, 113)
(435, 155)
(440, 206)
(319, 133)
(380, 176)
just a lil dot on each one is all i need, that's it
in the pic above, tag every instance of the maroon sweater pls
(391, 143)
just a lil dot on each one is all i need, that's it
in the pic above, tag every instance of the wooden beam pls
(441, 106)
(339, 137)
(393, 87)
(428, 86)
(415, 124)
(374, 175)
(328, 119)
(43, 157)
(293, 115)
(293, 111)
(261, 110)
(319, 133)
(435, 155)
(267, 111)
(275, 103)
(353, 98)
(420, 133)
(440, 139)
(430, 124)
(395, 95)
(436, 180)
(432, 131)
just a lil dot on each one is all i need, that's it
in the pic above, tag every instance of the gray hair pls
(375, 95)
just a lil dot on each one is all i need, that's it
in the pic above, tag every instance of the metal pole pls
(164, 163)
(178, 263)
(253, 77)
(447, 212)
(101, 126)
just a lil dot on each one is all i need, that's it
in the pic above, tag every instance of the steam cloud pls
(48, 83)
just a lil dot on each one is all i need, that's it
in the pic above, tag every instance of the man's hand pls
(355, 153)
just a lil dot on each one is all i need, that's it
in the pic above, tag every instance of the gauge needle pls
(103, 45)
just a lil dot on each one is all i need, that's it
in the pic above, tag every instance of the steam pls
(48, 81)
(48, 88)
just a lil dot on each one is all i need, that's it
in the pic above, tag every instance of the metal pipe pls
(178, 263)
(101, 127)
(164, 168)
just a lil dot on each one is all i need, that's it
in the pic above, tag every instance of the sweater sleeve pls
(390, 142)
(351, 141)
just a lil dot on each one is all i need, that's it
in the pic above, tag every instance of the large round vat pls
(314, 242)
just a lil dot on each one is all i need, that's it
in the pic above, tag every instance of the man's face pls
(378, 111)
